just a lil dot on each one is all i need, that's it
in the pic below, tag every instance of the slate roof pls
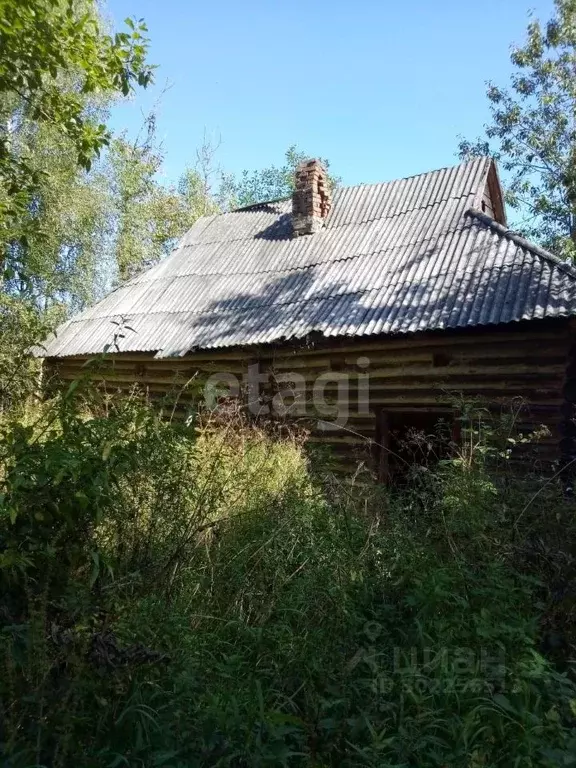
(409, 255)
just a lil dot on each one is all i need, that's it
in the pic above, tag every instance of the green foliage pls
(57, 261)
(270, 183)
(54, 58)
(186, 596)
(19, 375)
(532, 131)
(87, 231)
(145, 216)
(40, 40)
(138, 218)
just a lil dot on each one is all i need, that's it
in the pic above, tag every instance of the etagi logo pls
(331, 395)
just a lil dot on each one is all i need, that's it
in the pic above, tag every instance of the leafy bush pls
(179, 595)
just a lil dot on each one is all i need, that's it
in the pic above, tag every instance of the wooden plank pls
(467, 371)
(337, 440)
(431, 400)
(327, 362)
(447, 340)
(429, 372)
(140, 357)
(516, 384)
(440, 389)
(152, 370)
(509, 351)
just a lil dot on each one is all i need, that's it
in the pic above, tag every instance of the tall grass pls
(179, 595)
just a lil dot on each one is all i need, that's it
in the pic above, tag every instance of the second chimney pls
(311, 198)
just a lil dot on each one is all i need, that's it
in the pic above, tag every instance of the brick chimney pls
(310, 199)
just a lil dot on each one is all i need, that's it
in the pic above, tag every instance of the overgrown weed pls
(187, 595)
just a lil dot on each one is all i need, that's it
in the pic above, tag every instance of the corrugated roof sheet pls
(404, 256)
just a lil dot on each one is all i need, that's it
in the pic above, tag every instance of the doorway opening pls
(409, 438)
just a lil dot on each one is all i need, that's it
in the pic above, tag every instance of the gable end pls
(491, 202)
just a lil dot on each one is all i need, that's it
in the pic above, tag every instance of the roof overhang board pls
(496, 194)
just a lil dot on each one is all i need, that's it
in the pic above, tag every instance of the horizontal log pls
(519, 385)
(447, 340)
(142, 357)
(476, 351)
(490, 390)
(126, 378)
(509, 351)
(473, 358)
(489, 365)
(152, 370)
(440, 373)
(335, 440)
(431, 400)
(329, 362)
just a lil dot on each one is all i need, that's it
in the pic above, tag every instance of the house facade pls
(362, 311)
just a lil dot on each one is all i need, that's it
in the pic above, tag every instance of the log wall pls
(401, 376)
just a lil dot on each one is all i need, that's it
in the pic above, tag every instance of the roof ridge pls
(522, 242)
(480, 158)
(251, 206)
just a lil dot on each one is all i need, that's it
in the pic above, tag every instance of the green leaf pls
(505, 704)
(106, 450)
(95, 567)
(72, 387)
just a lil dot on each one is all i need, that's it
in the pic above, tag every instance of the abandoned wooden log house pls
(371, 307)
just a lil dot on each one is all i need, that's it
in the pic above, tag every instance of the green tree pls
(87, 231)
(272, 183)
(43, 43)
(59, 259)
(145, 216)
(59, 70)
(532, 132)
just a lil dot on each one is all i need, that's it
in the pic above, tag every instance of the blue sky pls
(382, 89)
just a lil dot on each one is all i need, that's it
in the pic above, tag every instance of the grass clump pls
(188, 596)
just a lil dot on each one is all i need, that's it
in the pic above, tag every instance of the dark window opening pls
(405, 439)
